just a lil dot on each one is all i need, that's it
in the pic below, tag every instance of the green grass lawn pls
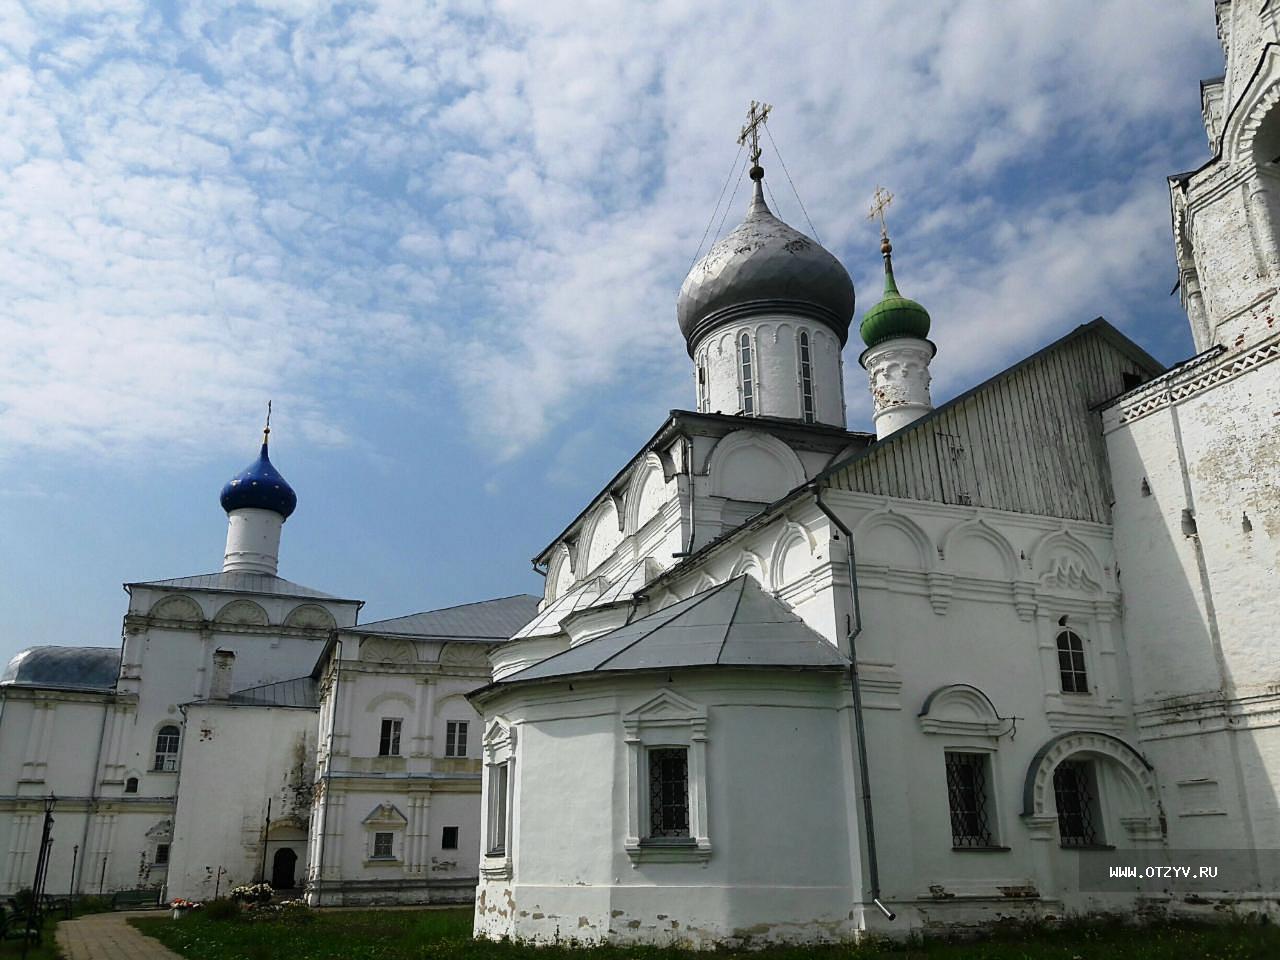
(446, 935)
(46, 951)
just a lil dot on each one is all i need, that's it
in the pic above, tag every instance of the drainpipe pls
(855, 628)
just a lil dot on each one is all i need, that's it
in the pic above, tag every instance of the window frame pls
(1090, 813)
(660, 832)
(986, 809)
(444, 838)
(498, 790)
(378, 835)
(389, 736)
(748, 375)
(161, 858)
(1075, 673)
(666, 721)
(166, 761)
(808, 398)
(455, 735)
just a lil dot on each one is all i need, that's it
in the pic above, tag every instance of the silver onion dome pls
(764, 265)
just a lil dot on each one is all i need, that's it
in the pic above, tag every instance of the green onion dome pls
(895, 315)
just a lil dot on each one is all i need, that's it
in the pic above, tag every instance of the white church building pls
(787, 681)
(792, 682)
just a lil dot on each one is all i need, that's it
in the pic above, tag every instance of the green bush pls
(221, 909)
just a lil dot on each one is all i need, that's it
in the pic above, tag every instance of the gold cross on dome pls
(879, 204)
(756, 117)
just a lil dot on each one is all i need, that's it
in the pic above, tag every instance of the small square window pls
(162, 854)
(669, 792)
(382, 846)
(449, 838)
(968, 799)
(389, 740)
(455, 738)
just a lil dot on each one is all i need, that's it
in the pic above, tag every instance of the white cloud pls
(197, 214)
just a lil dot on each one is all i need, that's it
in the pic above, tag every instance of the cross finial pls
(266, 431)
(756, 117)
(880, 203)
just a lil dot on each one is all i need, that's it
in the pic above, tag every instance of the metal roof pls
(485, 620)
(241, 583)
(298, 692)
(78, 668)
(735, 624)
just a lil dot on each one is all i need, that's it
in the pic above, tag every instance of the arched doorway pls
(284, 866)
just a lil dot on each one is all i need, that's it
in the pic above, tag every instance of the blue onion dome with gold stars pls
(764, 265)
(260, 486)
(895, 315)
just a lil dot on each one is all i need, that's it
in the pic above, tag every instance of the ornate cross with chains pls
(879, 204)
(756, 117)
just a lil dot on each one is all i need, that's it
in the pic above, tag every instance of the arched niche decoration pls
(390, 696)
(704, 583)
(387, 650)
(310, 616)
(454, 707)
(974, 548)
(753, 466)
(465, 654)
(751, 565)
(792, 555)
(1249, 130)
(1063, 563)
(1139, 801)
(960, 709)
(559, 572)
(177, 608)
(243, 613)
(891, 539)
(604, 537)
(648, 493)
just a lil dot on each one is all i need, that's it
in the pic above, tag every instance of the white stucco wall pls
(775, 343)
(776, 829)
(236, 760)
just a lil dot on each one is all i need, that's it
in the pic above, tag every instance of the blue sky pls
(446, 239)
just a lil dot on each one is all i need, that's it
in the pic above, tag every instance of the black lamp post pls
(71, 889)
(37, 886)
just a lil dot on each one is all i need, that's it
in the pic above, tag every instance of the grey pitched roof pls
(735, 624)
(76, 668)
(485, 620)
(298, 692)
(240, 583)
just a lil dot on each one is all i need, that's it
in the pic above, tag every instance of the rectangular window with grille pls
(382, 846)
(455, 738)
(967, 795)
(389, 740)
(1077, 804)
(668, 792)
(162, 854)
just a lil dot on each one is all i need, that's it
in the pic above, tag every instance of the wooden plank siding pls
(1028, 440)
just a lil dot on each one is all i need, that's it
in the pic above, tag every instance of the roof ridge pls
(733, 616)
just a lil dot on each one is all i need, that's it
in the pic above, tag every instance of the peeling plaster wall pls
(1202, 600)
(236, 759)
